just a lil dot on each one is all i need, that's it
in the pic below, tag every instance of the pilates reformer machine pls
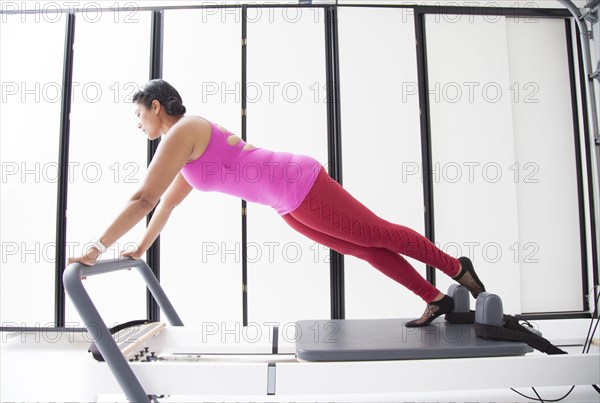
(157, 362)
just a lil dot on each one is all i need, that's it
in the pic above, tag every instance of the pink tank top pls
(277, 179)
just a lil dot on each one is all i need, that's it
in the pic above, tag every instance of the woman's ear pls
(155, 106)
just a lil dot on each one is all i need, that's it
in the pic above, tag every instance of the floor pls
(56, 367)
(580, 394)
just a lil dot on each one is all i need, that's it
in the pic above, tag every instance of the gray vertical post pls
(594, 139)
(244, 130)
(63, 177)
(156, 59)
(334, 148)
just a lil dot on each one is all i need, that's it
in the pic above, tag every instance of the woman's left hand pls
(134, 254)
(89, 259)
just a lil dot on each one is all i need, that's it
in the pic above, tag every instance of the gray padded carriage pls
(389, 339)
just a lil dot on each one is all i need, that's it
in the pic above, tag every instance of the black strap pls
(513, 331)
(510, 331)
(534, 340)
(94, 349)
(460, 318)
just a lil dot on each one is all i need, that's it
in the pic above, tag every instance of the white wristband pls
(98, 245)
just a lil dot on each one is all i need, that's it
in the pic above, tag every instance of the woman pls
(195, 153)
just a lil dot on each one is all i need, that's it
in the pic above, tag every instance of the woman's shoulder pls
(193, 119)
(192, 125)
(193, 129)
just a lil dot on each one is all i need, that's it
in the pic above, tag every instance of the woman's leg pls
(389, 263)
(330, 209)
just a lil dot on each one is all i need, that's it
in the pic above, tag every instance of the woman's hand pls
(135, 254)
(89, 259)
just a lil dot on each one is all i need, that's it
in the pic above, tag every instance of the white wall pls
(104, 137)
(473, 148)
(550, 260)
(201, 246)
(512, 124)
(29, 127)
(381, 144)
(286, 53)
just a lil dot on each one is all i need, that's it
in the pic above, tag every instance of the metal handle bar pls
(96, 327)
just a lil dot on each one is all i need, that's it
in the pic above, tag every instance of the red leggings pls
(332, 217)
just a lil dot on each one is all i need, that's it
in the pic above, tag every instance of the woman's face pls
(148, 119)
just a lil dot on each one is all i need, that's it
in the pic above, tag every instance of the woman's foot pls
(467, 277)
(433, 310)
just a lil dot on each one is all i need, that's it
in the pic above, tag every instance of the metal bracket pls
(589, 35)
(271, 378)
(592, 3)
(591, 16)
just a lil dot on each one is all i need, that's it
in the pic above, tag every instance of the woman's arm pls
(178, 191)
(171, 155)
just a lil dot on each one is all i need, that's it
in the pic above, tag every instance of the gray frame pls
(72, 279)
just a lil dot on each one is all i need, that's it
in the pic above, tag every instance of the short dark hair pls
(162, 91)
